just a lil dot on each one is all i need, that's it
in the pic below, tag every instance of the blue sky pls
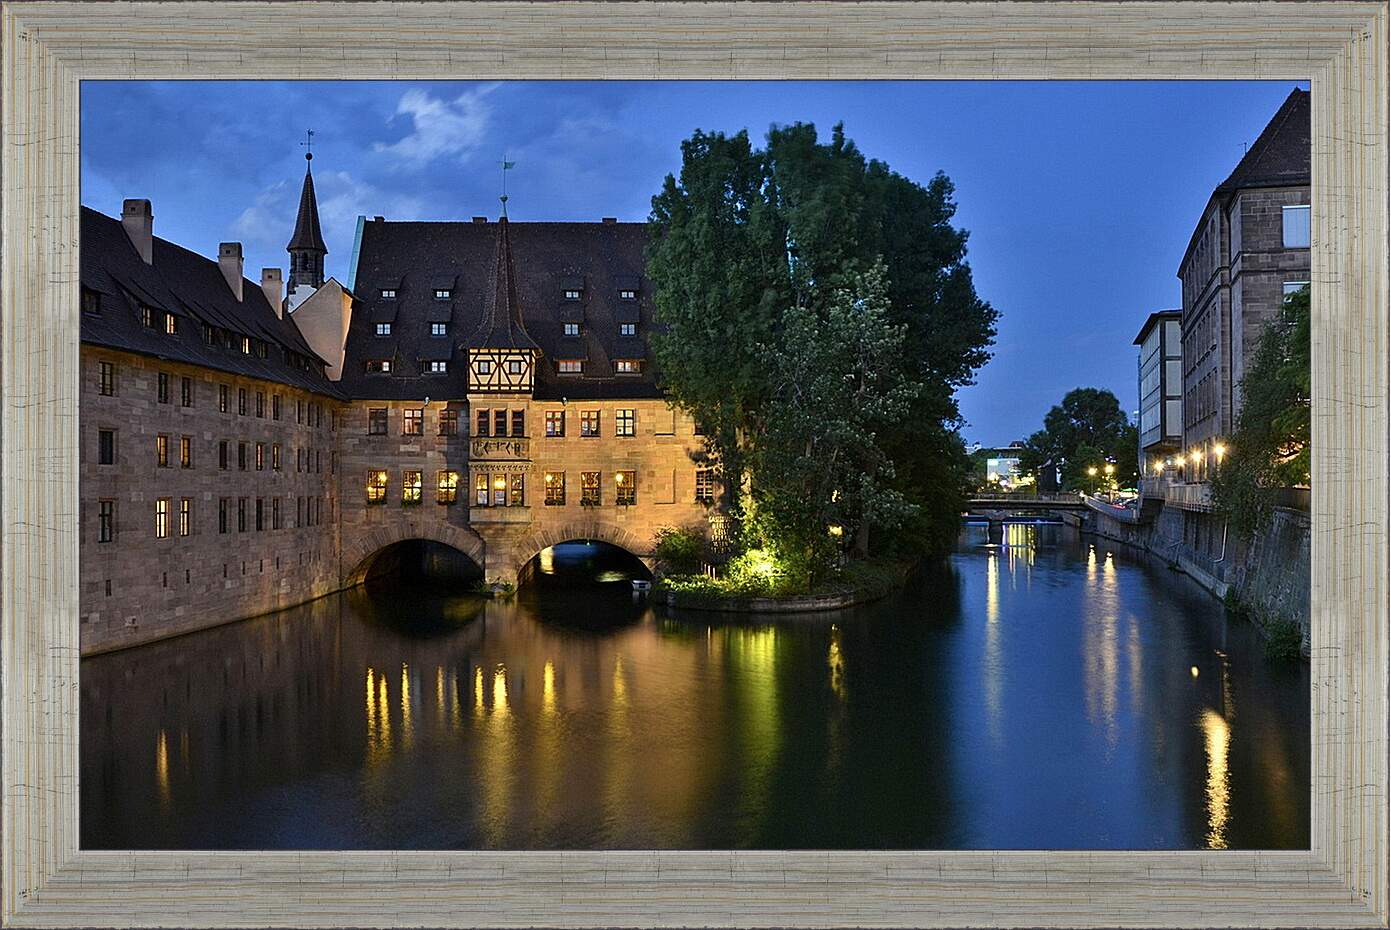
(1079, 197)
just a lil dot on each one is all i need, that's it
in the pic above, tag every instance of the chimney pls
(229, 260)
(139, 222)
(480, 219)
(610, 219)
(271, 284)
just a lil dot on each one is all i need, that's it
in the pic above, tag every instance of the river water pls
(1046, 693)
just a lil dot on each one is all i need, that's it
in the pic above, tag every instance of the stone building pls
(483, 385)
(1249, 248)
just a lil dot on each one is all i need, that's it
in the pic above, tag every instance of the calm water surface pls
(1044, 694)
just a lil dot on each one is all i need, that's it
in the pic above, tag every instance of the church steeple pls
(306, 248)
(502, 354)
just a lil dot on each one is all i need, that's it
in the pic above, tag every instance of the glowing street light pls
(1219, 450)
(1110, 469)
(1092, 471)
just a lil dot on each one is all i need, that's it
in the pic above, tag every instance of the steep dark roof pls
(1279, 157)
(192, 288)
(598, 259)
(307, 234)
(502, 326)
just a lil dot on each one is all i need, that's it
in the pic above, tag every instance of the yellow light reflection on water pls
(500, 690)
(162, 767)
(478, 691)
(548, 688)
(407, 725)
(836, 662)
(990, 656)
(1217, 736)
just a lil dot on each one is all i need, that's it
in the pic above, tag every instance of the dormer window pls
(627, 295)
(442, 293)
(380, 366)
(245, 345)
(571, 329)
(570, 366)
(627, 329)
(439, 329)
(147, 316)
(572, 295)
(628, 366)
(439, 368)
(91, 301)
(388, 293)
(383, 329)
(171, 324)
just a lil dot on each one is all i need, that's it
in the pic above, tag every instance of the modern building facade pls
(483, 385)
(1160, 390)
(1249, 249)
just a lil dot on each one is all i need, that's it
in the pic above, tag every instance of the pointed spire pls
(306, 247)
(502, 327)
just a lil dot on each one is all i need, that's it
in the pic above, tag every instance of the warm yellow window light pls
(499, 482)
(619, 477)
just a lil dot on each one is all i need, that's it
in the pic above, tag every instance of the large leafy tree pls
(1270, 448)
(751, 245)
(1086, 430)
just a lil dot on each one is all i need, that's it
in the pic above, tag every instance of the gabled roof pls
(1279, 157)
(307, 235)
(412, 257)
(193, 288)
(502, 326)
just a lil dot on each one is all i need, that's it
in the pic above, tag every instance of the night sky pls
(1079, 197)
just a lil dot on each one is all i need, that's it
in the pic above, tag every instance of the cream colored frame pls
(49, 47)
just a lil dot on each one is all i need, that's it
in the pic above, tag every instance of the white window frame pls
(383, 329)
(1304, 228)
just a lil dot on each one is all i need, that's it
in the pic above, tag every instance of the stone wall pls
(1269, 576)
(137, 586)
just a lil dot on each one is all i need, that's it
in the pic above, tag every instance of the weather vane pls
(308, 144)
(506, 166)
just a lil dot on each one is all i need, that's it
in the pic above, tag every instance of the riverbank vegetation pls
(817, 316)
(1089, 440)
(1270, 448)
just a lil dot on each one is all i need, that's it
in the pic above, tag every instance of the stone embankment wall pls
(1267, 577)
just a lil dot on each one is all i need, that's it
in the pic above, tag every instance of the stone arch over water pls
(360, 551)
(580, 531)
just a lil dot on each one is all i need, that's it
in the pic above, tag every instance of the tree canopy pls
(1086, 430)
(803, 283)
(1270, 448)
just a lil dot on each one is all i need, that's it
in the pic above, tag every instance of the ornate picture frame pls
(48, 48)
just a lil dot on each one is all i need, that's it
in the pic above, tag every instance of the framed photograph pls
(694, 464)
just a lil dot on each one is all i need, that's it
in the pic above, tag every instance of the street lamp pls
(1092, 471)
(1110, 469)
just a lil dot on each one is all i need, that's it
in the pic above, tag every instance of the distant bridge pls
(1003, 508)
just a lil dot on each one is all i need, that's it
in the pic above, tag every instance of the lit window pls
(245, 345)
(162, 451)
(107, 385)
(441, 294)
(480, 490)
(162, 518)
(185, 516)
(222, 398)
(627, 329)
(572, 295)
(518, 498)
(379, 366)
(410, 487)
(275, 456)
(388, 293)
(412, 422)
(376, 421)
(555, 422)
(589, 423)
(628, 366)
(705, 485)
(186, 451)
(514, 366)
(448, 487)
(376, 487)
(483, 366)
(555, 488)
(625, 423)
(572, 329)
(1295, 227)
(499, 490)
(171, 324)
(147, 316)
(626, 488)
(589, 488)
(439, 368)
(439, 329)
(627, 295)
(260, 456)
(570, 366)
(383, 329)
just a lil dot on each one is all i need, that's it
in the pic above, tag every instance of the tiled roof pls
(307, 234)
(192, 288)
(502, 326)
(596, 259)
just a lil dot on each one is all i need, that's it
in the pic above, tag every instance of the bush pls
(680, 551)
(1284, 640)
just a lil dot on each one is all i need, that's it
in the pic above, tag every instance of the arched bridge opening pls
(580, 563)
(439, 554)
